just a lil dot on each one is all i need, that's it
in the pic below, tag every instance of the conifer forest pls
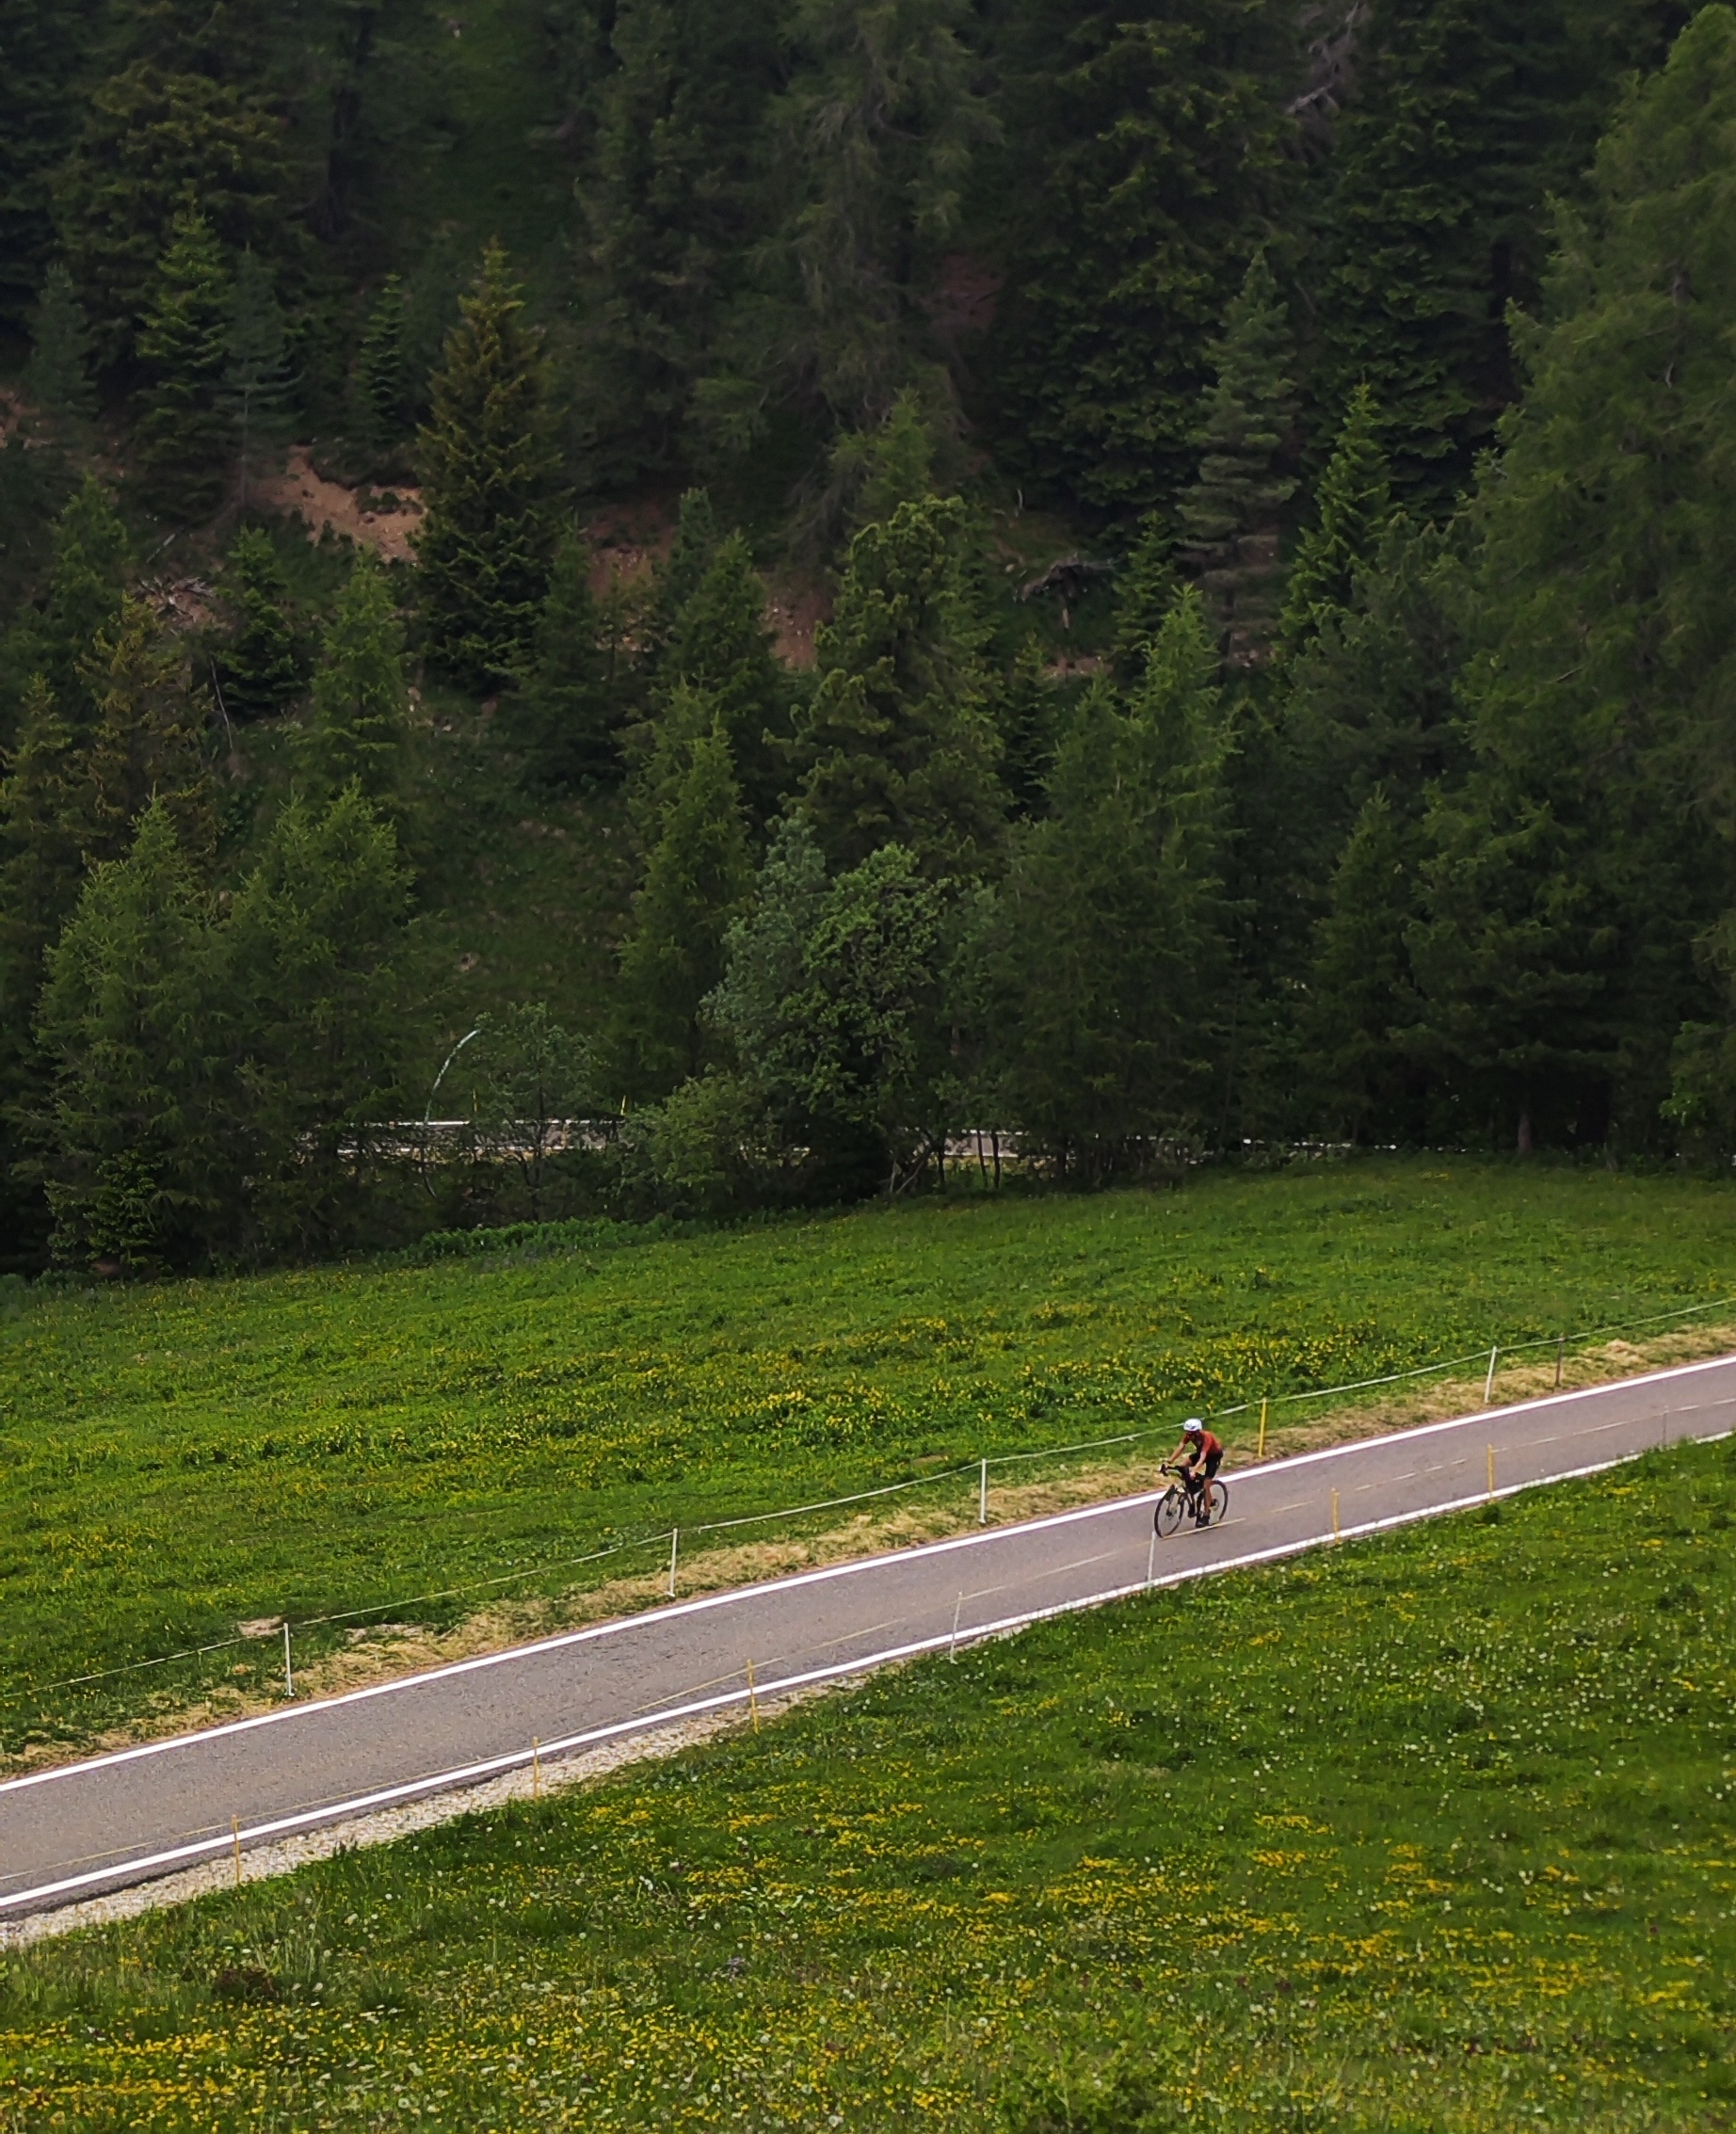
(1113, 585)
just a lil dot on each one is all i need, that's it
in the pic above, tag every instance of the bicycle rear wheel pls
(1218, 1504)
(1171, 1511)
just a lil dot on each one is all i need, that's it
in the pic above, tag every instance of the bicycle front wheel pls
(1171, 1511)
(1218, 1504)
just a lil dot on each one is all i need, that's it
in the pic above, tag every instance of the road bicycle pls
(1175, 1507)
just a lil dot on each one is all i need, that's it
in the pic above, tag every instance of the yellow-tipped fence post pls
(1264, 1404)
(1491, 1474)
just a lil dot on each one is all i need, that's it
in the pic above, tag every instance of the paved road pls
(81, 1828)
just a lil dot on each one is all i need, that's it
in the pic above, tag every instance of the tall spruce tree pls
(261, 669)
(672, 197)
(132, 1019)
(1230, 517)
(1145, 593)
(698, 871)
(1464, 114)
(1591, 842)
(721, 643)
(87, 575)
(1351, 508)
(321, 1010)
(1113, 927)
(257, 383)
(356, 726)
(57, 382)
(44, 45)
(488, 470)
(572, 709)
(152, 139)
(1156, 131)
(183, 436)
(896, 743)
(149, 745)
(384, 397)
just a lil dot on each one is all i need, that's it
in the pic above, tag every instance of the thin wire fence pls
(670, 1536)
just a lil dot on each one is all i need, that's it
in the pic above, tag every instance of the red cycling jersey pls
(1206, 1444)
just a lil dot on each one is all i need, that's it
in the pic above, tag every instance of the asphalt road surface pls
(79, 1829)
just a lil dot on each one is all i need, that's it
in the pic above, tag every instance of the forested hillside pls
(1265, 478)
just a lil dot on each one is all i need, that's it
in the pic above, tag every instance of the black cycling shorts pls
(1211, 1463)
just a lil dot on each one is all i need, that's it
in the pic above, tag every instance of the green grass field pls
(1429, 1835)
(176, 1459)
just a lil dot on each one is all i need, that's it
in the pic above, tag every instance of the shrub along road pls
(81, 1828)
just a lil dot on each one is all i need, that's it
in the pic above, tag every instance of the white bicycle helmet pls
(1193, 1426)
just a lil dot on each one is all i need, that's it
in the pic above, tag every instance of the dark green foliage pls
(151, 141)
(698, 871)
(56, 383)
(257, 383)
(1351, 509)
(355, 728)
(722, 644)
(1157, 133)
(183, 435)
(489, 473)
(571, 710)
(384, 400)
(1230, 517)
(896, 743)
(79, 602)
(1145, 589)
(872, 139)
(529, 1078)
(670, 200)
(1591, 842)
(130, 1018)
(1026, 716)
(261, 666)
(44, 45)
(1464, 115)
(316, 993)
(1114, 929)
(832, 1005)
(678, 576)
(148, 748)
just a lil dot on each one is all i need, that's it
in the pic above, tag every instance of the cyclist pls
(1200, 1454)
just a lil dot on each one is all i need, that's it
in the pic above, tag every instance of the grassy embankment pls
(174, 1460)
(1429, 1835)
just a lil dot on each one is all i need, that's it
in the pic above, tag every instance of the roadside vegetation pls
(180, 1459)
(1428, 1834)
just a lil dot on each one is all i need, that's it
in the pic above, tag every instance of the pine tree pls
(1230, 517)
(572, 706)
(896, 743)
(1114, 929)
(677, 578)
(1589, 845)
(1145, 593)
(257, 383)
(87, 576)
(1362, 995)
(672, 198)
(721, 643)
(488, 472)
(321, 1008)
(131, 1018)
(1025, 712)
(1156, 133)
(148, 748)
(385, 401)
(43, 48)
(530, 1078)
(56, 381)
(356, 725)
(697, 875)
(182, 434)
(1352, 505)
(152, 139)
(1465, 115)
(261, 668)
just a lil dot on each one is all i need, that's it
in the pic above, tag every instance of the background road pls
(74, 1831)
